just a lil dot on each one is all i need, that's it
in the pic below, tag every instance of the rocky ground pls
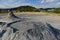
(30, 27)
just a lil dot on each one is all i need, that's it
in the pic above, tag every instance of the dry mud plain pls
(51, 18)
(34, 26)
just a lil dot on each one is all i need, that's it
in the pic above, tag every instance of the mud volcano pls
(24, 29)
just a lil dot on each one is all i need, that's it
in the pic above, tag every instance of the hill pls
(22, 9)
(26, 9)
(54, 10)
(31, 9)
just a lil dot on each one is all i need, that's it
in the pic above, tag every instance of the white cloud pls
(4, 5)
(11, 0)
(43, 1)
(7, 5)
(13, 3)
(58, 3)
(50, 0)
(1, 6)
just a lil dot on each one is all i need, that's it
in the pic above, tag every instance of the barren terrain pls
(53, 19)
(30, 26)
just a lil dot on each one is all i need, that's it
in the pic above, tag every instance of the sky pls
(35, 3)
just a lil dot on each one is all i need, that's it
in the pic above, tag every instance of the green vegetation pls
(3, 11)
(31, 9)
(26, 9)
(53, 10)
(22, 9)
(57, 10)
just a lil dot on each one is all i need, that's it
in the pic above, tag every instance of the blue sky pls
(35, 3)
